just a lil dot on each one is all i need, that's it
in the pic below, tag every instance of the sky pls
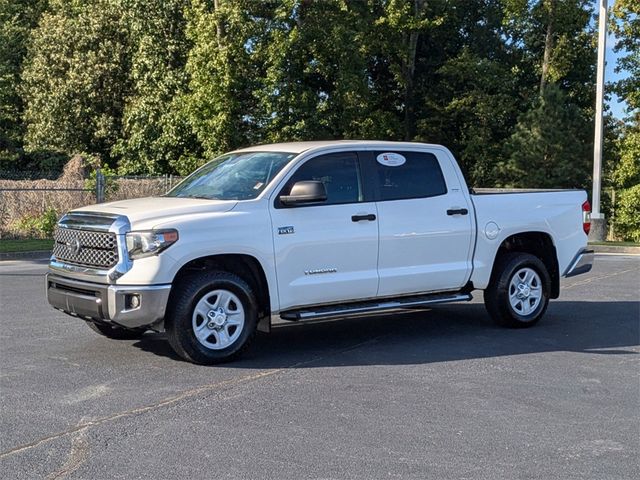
(615, 104)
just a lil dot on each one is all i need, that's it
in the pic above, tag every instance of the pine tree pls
(548, 148)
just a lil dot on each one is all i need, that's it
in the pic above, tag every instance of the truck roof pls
(299, 147)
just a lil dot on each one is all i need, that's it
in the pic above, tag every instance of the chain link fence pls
(31, 202)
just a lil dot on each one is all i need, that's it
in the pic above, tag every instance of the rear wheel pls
(518, 294)
(212, 317)
(116, 333)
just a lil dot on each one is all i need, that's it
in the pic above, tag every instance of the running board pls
(373, 306)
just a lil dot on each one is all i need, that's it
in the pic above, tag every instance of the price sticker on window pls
(390, 159)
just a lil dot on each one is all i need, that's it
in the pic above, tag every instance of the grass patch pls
(28, 245)
(616, 244)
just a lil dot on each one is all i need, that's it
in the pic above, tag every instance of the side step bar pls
(373, 306)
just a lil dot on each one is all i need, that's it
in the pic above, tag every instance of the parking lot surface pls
(440, 394)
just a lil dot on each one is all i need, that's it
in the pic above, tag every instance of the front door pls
(326, 252)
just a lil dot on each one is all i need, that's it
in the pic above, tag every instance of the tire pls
(116, 333)
(518, 293)
(212, 317)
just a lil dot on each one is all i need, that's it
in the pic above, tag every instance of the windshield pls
(234, 176)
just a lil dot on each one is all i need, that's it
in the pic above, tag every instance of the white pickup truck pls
(312, 230)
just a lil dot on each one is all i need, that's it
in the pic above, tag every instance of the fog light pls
(132, 301)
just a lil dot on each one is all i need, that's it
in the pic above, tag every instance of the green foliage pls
(626, 180)
(548, 148)
(108, 174)
(38, 226)
(627, 170)
(626, 27)
(76, 76)
(318, 89)
(572, 54)
(160, 86)
(18, 160)
(17, 18)
(155, 133)
(627, 217)
(25, 245)
(222, 75)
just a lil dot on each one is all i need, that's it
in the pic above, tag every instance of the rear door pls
(424, 220)
(326, 252)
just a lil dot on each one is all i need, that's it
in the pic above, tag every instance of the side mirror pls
(308, 191)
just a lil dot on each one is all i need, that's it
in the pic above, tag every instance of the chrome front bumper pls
(109, 303)
(581, 263)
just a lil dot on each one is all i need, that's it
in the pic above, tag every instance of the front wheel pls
(212, 317)
(518, 294)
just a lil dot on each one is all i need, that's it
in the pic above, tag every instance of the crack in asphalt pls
(601, 277)
(84, 426)
(78, 454)
(139, 410)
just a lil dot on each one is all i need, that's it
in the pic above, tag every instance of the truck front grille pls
(85, 248)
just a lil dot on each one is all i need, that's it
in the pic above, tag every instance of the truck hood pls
(153, 210)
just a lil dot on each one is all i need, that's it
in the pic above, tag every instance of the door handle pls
(356, 218)
(457, 211)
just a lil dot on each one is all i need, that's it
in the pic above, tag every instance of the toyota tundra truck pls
(312, 230)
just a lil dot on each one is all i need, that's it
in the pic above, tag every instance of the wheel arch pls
(539, 244)
(245, 266)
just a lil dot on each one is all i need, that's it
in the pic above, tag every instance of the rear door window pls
(404, 175)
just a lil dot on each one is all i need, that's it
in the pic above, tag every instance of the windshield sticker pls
(389, 159)
(258, 186)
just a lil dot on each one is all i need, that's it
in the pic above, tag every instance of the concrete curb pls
(615, 249)
(37, 255)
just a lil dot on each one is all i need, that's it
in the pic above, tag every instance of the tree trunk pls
(548, 45)
(409, 71)
(219, 24)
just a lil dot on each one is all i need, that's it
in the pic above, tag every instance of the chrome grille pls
(86, 248)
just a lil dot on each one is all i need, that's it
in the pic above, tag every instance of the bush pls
(627, 219)
(110, 185)
(38, 226)
(37, 161)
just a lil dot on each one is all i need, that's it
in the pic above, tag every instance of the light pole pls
(598, 224)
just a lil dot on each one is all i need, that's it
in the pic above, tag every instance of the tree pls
(219, 103)
(627, 170)
(470, 84)
(17, 18)
(76, 77)
(549, 7)
(404, 23)
(157, 86)
(556, 40)
(625, 176)
(317, 79)
(156, 137)
(626, 27)
(549, 148)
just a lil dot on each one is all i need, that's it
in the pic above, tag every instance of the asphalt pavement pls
(439, 394)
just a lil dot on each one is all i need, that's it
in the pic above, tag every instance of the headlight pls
(152, 242)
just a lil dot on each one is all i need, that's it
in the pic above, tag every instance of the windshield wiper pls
(198, 196)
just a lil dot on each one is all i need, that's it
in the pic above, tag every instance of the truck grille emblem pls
(73, 246)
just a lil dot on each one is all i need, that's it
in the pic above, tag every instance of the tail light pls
(586, 217)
